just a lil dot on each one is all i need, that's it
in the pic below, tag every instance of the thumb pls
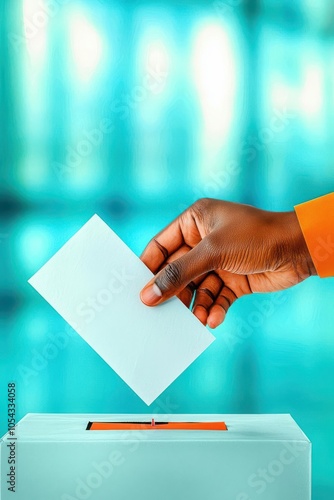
(176, 275)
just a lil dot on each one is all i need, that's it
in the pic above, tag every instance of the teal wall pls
(133, 110)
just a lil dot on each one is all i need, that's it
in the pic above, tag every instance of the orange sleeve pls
(316, 219)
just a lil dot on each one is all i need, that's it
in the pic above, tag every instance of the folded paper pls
(94, 282)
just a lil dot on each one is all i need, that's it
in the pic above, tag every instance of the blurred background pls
(133, 110)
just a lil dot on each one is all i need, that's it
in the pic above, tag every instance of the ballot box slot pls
(156, 425)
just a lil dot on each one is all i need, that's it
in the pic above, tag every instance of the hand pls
(217, 251)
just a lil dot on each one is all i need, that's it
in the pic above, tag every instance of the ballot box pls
(160, 457)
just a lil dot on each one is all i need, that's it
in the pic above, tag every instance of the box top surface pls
(72, 427)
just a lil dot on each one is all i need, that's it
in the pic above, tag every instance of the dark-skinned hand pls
(217, 251)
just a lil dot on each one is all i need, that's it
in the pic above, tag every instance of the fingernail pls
(216, 318)
(151, 295)
(212, 323)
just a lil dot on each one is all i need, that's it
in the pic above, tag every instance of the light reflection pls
(86, 46)
(214, 75)
(36, 19)
(214, 69)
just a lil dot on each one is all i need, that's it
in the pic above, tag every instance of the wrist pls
(301, 256)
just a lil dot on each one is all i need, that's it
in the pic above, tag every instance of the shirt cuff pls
(316, 219)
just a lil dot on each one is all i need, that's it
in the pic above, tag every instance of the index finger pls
(162, 246)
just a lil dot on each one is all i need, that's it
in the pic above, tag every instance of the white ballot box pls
(155, 457)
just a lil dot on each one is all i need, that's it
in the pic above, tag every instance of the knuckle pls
(202, 204)
(206, 307)
(160, 247)
(205, 201)
(202, 211)
(191, 287)
(170, 277)
(210, 294)
(224, 302)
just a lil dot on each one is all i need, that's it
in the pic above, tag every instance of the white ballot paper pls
(93, 282)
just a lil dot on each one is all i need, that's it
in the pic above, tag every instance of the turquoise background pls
(133, 110)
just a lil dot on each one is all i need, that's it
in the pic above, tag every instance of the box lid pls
(73, 427)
